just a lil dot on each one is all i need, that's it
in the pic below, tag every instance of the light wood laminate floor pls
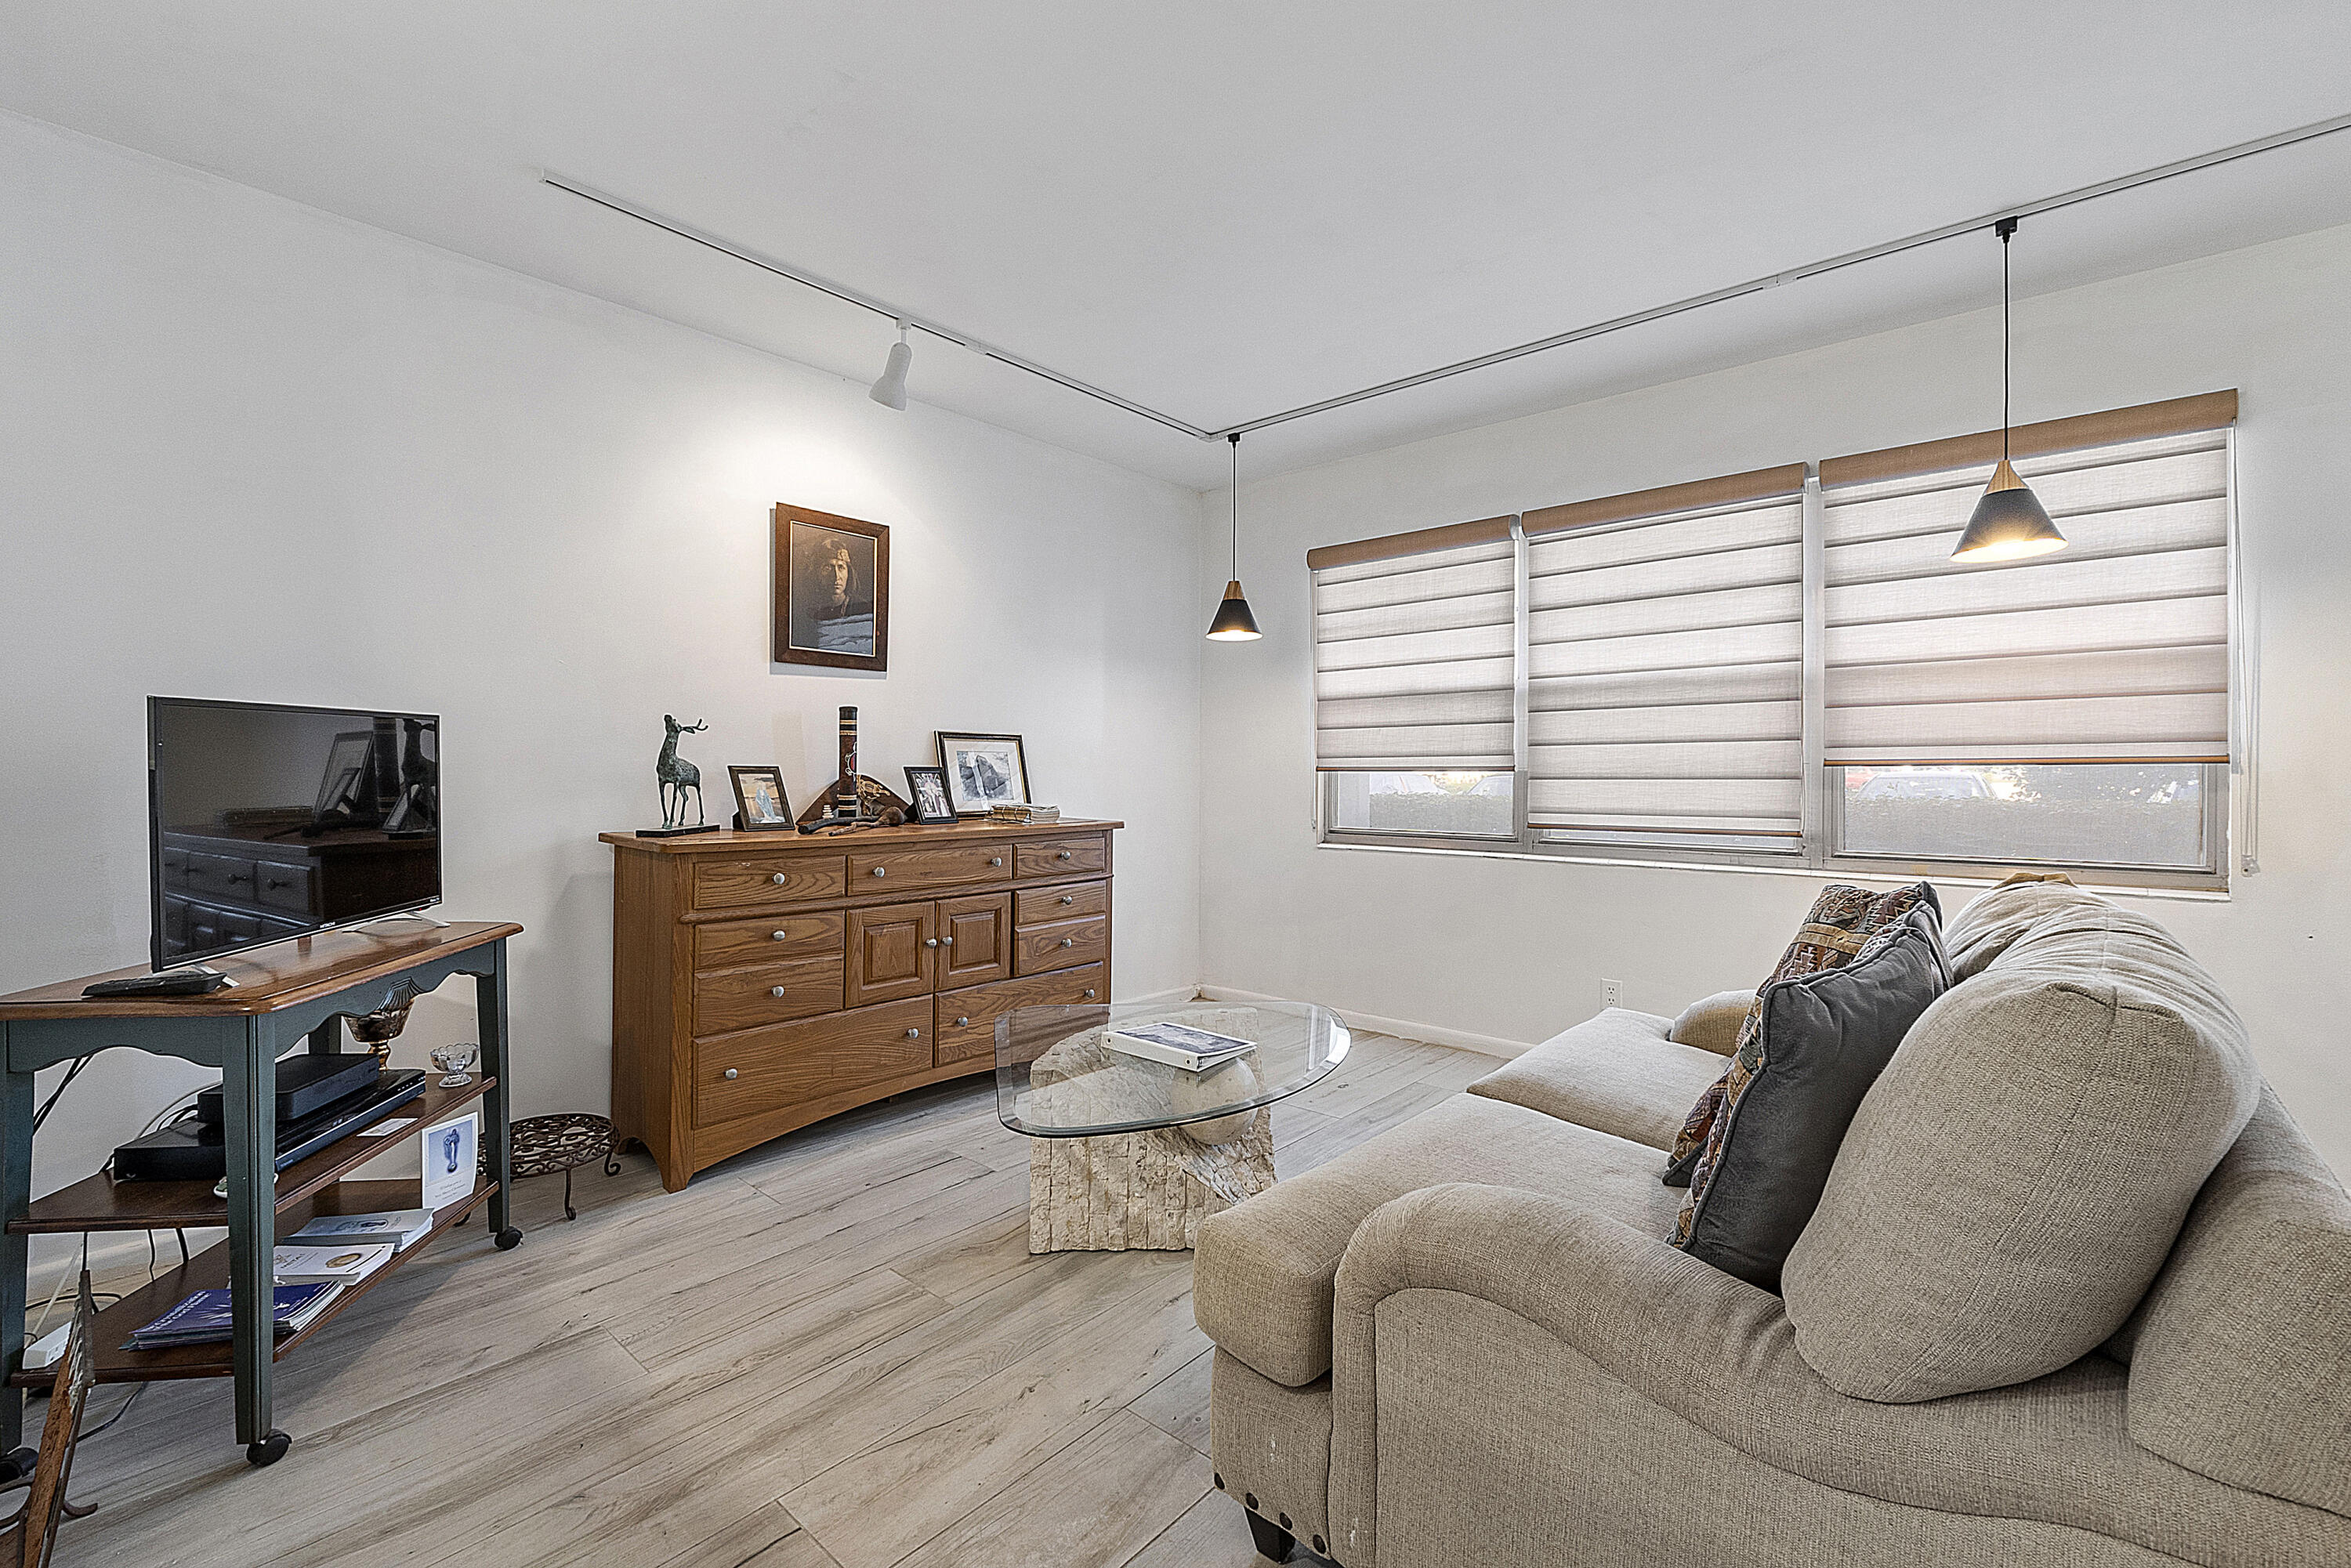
(833, 1352)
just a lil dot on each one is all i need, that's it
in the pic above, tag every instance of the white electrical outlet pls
(1612, 993)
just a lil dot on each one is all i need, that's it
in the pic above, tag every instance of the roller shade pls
(1416, 652)
(2114, 649)
(1665, 660)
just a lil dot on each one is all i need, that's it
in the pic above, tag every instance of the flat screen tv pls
(265, 822)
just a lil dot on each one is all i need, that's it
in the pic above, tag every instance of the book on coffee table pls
(205, 1318)
(1177, 1045)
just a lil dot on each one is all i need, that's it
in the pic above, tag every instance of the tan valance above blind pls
(1664, 649)
(2113, 649)
(2175, 416)
(1416, 652)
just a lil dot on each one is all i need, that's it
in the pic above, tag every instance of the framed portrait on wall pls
(832, 590)
(983, 772)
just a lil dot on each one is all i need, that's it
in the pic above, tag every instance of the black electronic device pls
(265, 822)
(307, 1083)
(197, 981)
(191, 1151)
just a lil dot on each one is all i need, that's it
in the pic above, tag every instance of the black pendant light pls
(1234, 624)
(2009, 523)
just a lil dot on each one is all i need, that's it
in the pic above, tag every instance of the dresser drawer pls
(220, 877)
(1063, 856)
(1064, 946)
(723, 943)
(767, 879)
(739, 998)
(283, 886)
(1036, 905)
(933, 865)
(785, 1064)
(967, 1017)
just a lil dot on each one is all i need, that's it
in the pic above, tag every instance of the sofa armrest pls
(1720, 1355)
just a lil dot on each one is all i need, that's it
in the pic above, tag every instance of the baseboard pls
(1159, 998)
(1407, 1029)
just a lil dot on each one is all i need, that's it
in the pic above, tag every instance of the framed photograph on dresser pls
(983, 772)
(760, 803)
(927, 792)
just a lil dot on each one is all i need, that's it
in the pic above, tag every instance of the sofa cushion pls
(1982, 933)
(2241, 1365)
(2009, 1186)
(1261, 1271)
(1841, 920)
(1614, 1072)
(1791, 1092)
(1712, 1023)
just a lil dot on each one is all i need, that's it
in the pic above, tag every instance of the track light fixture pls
(2010, 523)
(1234, 624)
(890, 392)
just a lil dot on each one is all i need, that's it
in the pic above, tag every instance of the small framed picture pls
(983, 772)
(926, 791)
(832, 590)
(452, 1152)
(760, 804)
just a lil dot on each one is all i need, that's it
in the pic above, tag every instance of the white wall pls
(1516, 951)
(251, 451)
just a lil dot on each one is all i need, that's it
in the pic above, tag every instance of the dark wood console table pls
(290, 989)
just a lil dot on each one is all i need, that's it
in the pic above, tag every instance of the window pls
(1773, 670)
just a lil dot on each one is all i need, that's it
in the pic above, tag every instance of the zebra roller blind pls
(1664, 649)
(2114, 649)
(1415, 651)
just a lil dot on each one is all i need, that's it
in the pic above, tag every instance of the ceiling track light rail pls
(2143, 178)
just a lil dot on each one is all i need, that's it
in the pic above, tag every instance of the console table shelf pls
(284, 994)
(208, 1270)
(102, 1203)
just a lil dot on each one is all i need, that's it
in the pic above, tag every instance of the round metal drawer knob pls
(881, 870)
(998, 861)
(930, 941)
(947, 941)
(776, 990)
(1069, 854)
(963, 1022)
(1069, 898)
(1068, 941)
(777, 879)
(730, 1073)
(914, 1034)
(1090, 993)
(783, 937)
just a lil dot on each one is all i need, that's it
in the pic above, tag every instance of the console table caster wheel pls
(270, 1450)
(510, 1238)
(17, 1463)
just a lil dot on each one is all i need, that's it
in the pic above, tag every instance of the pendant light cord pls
(2007, 230)
(1236, 439)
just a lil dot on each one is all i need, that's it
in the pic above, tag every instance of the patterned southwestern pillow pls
(1843, 918)
(1794, 1088)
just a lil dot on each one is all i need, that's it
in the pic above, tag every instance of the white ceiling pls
(1225, 209)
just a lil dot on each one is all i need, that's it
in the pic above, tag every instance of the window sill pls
(1815, 873)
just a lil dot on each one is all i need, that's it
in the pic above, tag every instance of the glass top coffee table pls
(1133, 1153)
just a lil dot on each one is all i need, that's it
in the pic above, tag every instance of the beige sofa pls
(1464, 1342)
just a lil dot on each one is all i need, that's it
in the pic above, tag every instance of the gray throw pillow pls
(1821, 1042)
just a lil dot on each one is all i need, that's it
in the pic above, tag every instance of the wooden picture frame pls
(832, 592)
(926, 796)
(761, 805)
(983, 770)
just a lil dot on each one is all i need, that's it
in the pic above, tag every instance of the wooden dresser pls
(763, 981)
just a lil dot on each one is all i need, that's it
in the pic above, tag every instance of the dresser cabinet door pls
(892, 952)
(974, 939)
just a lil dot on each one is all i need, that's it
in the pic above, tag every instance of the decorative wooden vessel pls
(764, 981)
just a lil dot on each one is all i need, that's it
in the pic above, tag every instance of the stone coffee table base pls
(1132, 1191)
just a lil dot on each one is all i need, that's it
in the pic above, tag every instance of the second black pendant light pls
(1234, 624)
(2009, 522)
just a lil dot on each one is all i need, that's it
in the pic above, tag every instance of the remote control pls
(195, 981)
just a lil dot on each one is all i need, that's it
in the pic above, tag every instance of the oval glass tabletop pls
(1084, 1071)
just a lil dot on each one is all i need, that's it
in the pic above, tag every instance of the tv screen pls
(265, 822)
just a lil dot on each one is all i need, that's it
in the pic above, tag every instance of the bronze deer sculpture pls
(677, 775)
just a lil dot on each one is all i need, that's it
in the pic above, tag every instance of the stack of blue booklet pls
(205, 1318)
